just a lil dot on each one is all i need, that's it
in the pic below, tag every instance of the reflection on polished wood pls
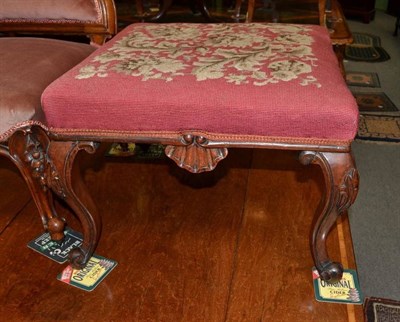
(228, 245)
(13, 194)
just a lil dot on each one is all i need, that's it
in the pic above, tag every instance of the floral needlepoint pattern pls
(255, 54)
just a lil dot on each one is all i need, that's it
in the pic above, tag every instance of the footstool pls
(199, 89)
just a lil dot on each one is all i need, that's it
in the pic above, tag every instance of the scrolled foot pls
(78, 258)
(331, 272)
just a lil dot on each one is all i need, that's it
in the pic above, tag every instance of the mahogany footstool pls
(200, 89)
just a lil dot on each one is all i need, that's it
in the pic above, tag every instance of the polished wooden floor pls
(230, 245)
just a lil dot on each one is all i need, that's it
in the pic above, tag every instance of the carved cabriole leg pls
(76, 195)
(341, 187)
(26, 149)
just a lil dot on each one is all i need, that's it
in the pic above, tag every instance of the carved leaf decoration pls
(29, 145)
(347, 191)
(26, 144)
(196, 158)
(54, 181)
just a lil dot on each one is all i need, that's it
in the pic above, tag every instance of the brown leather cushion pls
(28, 65)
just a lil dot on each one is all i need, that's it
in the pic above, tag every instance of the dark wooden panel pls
(365, 9)
(393, 7)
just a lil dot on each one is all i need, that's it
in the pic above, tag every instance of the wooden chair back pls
(94, 18)
(323, 6)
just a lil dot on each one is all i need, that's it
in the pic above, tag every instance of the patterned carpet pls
(379, 116)
(362, 79)
(374, 102)
(379, 128)
(366, 47)
(377, 309)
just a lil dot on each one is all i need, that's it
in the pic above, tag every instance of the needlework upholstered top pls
(232, 81)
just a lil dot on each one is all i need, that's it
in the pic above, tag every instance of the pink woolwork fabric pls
(272, 80)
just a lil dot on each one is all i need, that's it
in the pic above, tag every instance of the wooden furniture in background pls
(339, 31)
(365, 9)
(96, 20)
(394, 9)
(165, 5)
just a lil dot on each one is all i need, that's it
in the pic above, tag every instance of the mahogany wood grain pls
(235, 250)
(14, 194)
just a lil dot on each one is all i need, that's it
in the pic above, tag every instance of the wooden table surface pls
(230, 245)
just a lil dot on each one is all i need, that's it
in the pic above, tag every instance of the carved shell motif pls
(194, 156)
